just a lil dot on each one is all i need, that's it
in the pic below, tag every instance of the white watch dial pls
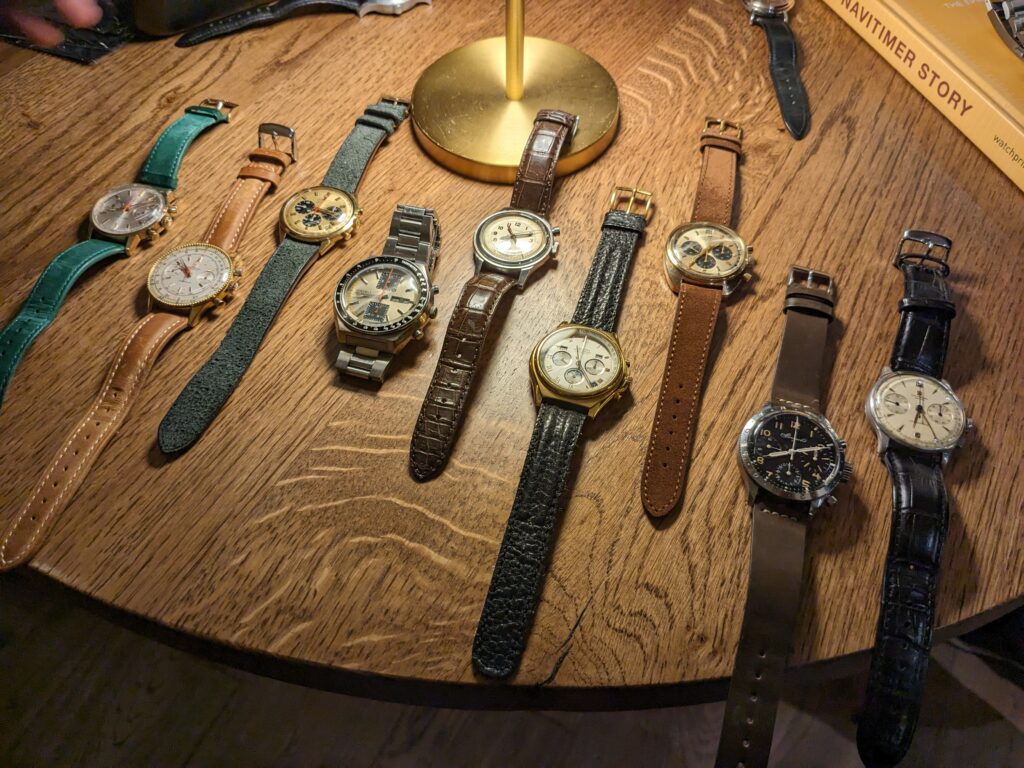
(580, 360)
(918, 411)
(514, 239)
(129, 209)
(190, 275)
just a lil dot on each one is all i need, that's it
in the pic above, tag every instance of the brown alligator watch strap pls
(259, 177)
(445, 402)
(535, 177)
(70, 467)
(716, 190)
(668, 452)
(809, 308)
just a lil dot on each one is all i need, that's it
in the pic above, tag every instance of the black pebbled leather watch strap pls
(785, 72)
(260, 16)
(926, 312)
(522, 562)
(601, 298)
(920, 519)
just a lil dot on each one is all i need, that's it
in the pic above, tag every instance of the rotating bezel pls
(344, 228)
(505, 265)
(873, 404)
(352, 324)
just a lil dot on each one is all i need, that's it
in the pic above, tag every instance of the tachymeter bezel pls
(94, 213)
(343, 229)
(537, 359)
(197, 301)
(503, 265)
(873, 411)
(675, 271)
(753, 424)
(352, 324)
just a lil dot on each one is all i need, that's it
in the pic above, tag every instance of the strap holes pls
(746, 744)
(761, 653)
(753, 697)
(65, 467)
(664, 464)
(750, 721)
(54, 483)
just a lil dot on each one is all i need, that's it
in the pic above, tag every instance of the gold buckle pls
(634, 196)
(932, 242)
(812, 279)
(397, 101)
(723, 126)
(275, 130)
(220, 105)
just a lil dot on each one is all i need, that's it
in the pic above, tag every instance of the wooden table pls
(291, 539)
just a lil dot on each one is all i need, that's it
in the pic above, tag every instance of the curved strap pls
(899, 662)
(261, 16)
(766, 637)
(44, 302)
(926, 312)
(522, 562)
(809, 309)
(69, 468)
(782, 63)
(599, 303)
(377, 123)
(444, 406)
(258, 178)
(207, 391)
(716, 189)
(668, 452)
(535, 176)
(161, 167)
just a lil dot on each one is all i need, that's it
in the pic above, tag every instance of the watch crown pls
(417, 334)
(432, 313)
(970, 426)
(238, 272)
(746, 277)
(831, 501)
(152, 234)
(232, 285)
(846, 473)
(218, 302)
(172, 209)
(842, 445)
(556, 230)
(166, 221)
(436, 290)
(554, 248)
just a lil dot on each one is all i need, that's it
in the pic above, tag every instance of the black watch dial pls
(792, 454)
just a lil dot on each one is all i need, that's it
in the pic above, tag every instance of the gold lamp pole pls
(473, 109)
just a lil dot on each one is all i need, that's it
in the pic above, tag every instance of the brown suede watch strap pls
(535, 177)
(445, 403)
(670, 447)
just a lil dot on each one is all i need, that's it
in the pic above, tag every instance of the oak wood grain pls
(293, 533)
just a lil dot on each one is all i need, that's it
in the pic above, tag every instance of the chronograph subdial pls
(319, 214)
(708, 254)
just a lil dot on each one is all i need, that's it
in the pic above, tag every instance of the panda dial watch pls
(708, 254)
(320, 214)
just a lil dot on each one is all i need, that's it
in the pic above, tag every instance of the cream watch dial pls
(705, 252)
(514, 239)
(579, 360)
(128, 209)
(381, 294)
(918, 411)
(190, 275)
(318, 213)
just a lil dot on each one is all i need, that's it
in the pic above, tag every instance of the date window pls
(376, 312)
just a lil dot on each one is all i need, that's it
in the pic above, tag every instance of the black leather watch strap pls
(785, 72)
(261, 16)
(601, 298)
(920, 519)
(769, 620)
(376, 124)
(926, 312)
(522, 562)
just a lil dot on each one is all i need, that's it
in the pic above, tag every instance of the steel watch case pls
(521, 272)
(769, 7)
(1007, 16)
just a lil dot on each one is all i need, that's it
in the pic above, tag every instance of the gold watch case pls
(544, 388)
(195, 309)
(690, 255)
(291, 222)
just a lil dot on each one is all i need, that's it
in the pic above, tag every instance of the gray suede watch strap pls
(379, 121)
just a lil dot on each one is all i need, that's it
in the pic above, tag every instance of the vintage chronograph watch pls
(919, 421)
(183, 284)
(508, 247)
(1007, 16)
(576, 369)
(313, 221)
(383, 302)
(124, 218)
(773, 17)
(792, 461)
(704, 262)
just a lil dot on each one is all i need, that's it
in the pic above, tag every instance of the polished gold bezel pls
(334, 235)
(545, 389)
(223, 291)
(675, 273)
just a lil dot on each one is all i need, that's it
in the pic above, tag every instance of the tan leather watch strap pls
(445, 403)
(716, 190)
(259, 177)
(27, 532)
(668, 452)
(535, 177)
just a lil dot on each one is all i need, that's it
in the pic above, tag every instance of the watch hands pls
(815, 448)
(796, 428)
(186, 270)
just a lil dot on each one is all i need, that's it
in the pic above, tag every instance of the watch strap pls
(663, 480)
(721, 146)
(515, 587)
(777, 549)
(46, 299)
(161, 167)
(785, 73)
(261, 16)
(535, 176)
(69, 468)
(600, 301)
(809, 309)
(444, 406)
(926, 314)
(211, 386)
(376, 124)
(899, 661)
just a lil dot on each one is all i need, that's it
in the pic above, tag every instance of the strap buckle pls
(812, 279)
(724, 126)
(220, 105)
(398, 101)
(936, 251)
(633, 197)
(273, 131)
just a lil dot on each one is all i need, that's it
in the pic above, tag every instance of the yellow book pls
(950, 52)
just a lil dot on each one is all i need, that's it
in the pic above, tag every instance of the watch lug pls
(478, 265)
(522, 278)
(132, 244)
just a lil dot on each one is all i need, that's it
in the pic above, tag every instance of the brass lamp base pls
(462, 119)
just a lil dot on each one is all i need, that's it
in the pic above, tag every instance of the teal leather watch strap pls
(161, 167)
(377, 122)
(45, 300)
